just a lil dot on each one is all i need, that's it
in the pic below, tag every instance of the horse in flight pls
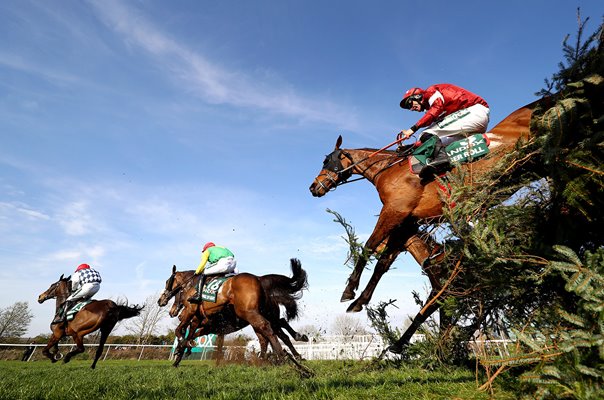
(100, 315)
(244, 299)
(406, 201)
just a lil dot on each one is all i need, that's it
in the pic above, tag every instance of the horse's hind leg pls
(263, 327)
(418, 320)
(105, 331)
(285, 339)
(79, 341)
(296, 335)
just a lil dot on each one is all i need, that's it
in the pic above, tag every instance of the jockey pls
(85, 282)
(449, 110)
(221, 261)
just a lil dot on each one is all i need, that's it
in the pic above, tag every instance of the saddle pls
(460, 148)
(71, 313)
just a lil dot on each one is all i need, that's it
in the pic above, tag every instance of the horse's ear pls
(174, 269)
(61, 278)
(339, 142)
(68, 278)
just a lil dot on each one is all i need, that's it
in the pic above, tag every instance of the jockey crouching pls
(449, 110)
(85, 282)
(214, 260)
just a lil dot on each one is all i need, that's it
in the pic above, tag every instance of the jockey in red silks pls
(449, 110)
(85, 282)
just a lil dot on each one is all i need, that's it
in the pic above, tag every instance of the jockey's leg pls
(438, 162)
(61, 315)
(196, 298)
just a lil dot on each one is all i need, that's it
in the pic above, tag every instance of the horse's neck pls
(61, 295)
(369, 167)
(184, 277)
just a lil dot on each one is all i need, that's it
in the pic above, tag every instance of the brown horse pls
(100, 315)
(278, 324)
(406, 200)
(241, 300)
(178, 284)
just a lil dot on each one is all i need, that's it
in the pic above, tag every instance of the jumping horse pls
(406, 200)
(100, 315)
(178, 284)
(240, 301)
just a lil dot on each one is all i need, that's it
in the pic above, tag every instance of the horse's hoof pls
(355, 307)
(302, 338)
(396, 348)
(347, 296)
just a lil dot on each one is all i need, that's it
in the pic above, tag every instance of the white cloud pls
(215, 83)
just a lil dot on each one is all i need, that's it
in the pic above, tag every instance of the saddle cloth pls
(212, 286)
(461, 151)
(74, 310)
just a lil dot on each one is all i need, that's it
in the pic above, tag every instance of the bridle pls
(173, 290)
(333, 163)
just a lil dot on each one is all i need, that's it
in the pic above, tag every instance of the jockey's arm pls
(202, 264)
(75, 282)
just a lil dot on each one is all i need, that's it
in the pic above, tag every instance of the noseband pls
(333, 163)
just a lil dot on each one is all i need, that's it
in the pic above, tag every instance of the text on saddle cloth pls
(74, 310)
(460, 151)
(212, 286)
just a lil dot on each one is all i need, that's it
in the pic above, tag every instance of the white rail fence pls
(359, 347)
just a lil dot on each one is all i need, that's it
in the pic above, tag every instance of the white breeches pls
(223, 266)
(85, 291)
(474, 119)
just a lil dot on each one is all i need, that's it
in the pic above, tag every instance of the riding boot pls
(59, 318)
(61, 315)
(196, 298)
(438, 163)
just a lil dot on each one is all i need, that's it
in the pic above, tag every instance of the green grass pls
(204, 380)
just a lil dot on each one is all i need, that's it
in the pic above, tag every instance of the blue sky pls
(132, 132)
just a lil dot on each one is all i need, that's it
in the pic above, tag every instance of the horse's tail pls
(125, 311)
(286, 291)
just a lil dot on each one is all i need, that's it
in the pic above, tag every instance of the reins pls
(402, 155)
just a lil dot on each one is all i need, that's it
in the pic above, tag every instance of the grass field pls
(117, 379)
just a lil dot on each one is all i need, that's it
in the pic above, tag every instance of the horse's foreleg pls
(381, 232)
(181, 333)
(53, 342)
(219, 356)
(382, 266)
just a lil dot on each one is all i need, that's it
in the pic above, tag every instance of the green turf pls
(204, 380)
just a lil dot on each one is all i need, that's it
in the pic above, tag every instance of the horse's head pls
(168, 293)
(178, 305)
(335, 171)
(60, 290)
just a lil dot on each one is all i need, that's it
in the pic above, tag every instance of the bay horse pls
(278, 324)
(178, 283)
(240, 301)
(100, 315)
(406, 200)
